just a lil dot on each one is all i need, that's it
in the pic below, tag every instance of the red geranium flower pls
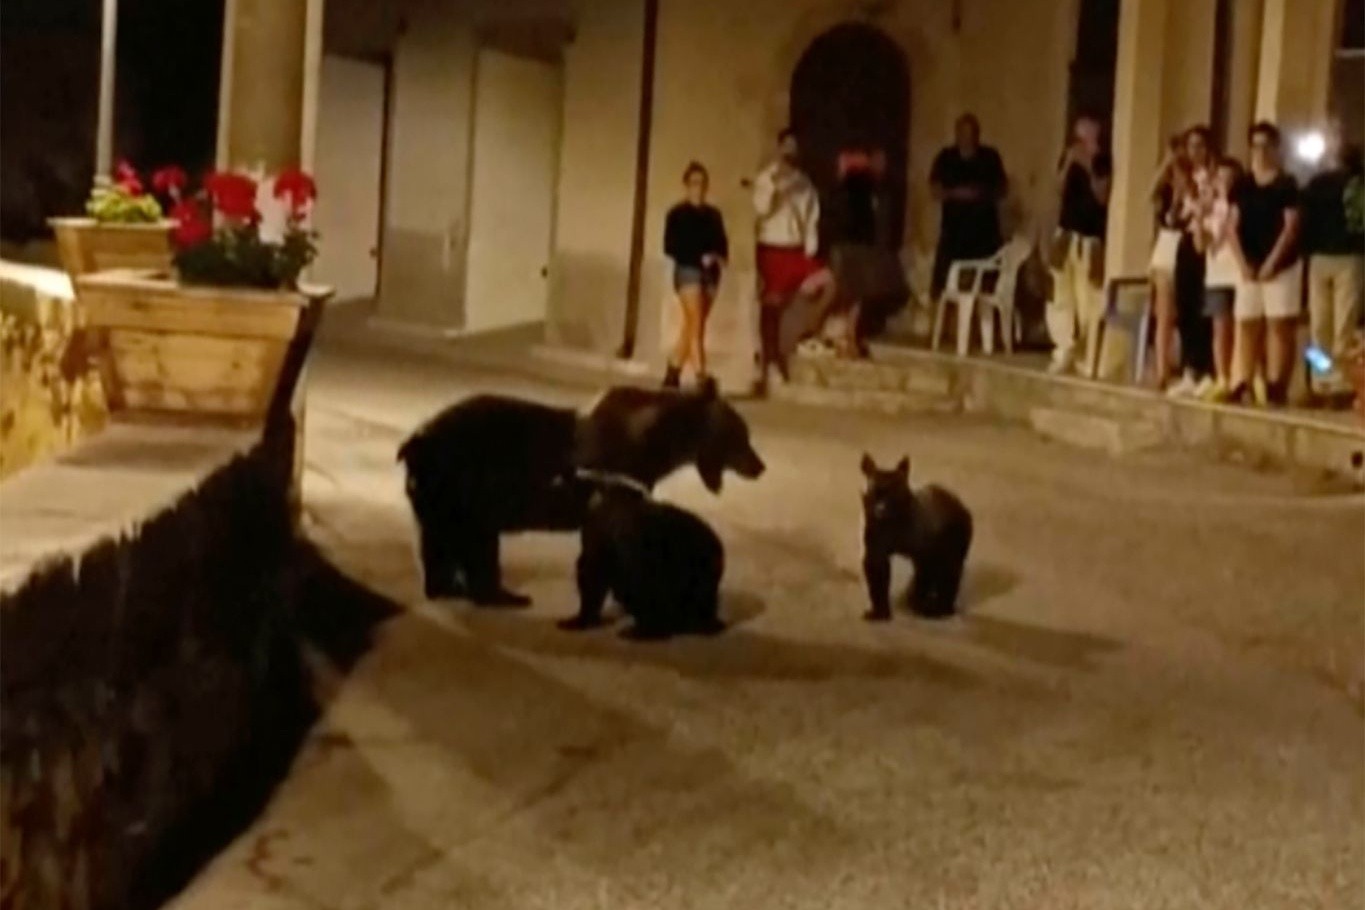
(126, 179)
(170, 180)
(297, 187)
(233, 194)
(192, 226)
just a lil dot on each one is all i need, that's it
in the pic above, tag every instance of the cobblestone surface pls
(1154, 698)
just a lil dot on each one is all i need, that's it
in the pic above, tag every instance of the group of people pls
(1227, 267)
(811, 264)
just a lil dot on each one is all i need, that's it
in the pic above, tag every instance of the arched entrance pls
(851, 88)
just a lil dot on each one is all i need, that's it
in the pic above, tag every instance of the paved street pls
(1153, 701)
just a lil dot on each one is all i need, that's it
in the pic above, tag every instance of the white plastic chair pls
(988, 283)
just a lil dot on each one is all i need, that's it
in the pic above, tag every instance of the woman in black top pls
(694, 238)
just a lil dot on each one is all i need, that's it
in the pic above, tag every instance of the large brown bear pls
(494, 464)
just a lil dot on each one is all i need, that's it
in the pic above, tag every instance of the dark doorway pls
(1093, 66)
(851, 89)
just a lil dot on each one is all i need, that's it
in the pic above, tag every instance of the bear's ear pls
(867, 465)
(903, 468)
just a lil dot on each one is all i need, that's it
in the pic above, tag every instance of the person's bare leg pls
(689, 298)
(1163, 306)
(853, 342)
(704, 303)
(1222, 349)
(1281, 342)
(1250, 339)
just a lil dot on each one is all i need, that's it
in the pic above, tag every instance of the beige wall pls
(597, 175)
(422, 270)
(723, 72)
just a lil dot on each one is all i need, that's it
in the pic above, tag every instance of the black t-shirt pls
(853, 216)
(1082, 212)
(970, 227)
(692, 231)
(1260, 210)
(1325, 230)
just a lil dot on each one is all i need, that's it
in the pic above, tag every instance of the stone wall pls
(50, 390)
(136, 665)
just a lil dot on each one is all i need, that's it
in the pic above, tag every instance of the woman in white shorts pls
(1169, 189)
(1266, 228)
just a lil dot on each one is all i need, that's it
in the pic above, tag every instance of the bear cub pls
(662, 564)
(930, 527)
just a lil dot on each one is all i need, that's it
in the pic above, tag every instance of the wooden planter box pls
(85, 245)
(172, 351)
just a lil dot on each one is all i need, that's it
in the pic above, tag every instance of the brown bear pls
(662, 564)
(929, 526)
(494, 464)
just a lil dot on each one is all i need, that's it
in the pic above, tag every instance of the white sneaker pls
(1205, 388)
(1060, 365)
(1182, 388)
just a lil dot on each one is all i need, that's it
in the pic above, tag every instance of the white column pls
(104, 130)
(1296, 63)
(1137, 134)
(1242, 71)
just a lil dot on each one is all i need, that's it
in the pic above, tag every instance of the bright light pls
(1310, 147)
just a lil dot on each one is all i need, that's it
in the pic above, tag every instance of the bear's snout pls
(749, 465)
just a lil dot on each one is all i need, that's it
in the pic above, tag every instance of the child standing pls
(1222, 274)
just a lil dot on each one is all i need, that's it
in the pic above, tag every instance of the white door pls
(511, 201)
(349, 166)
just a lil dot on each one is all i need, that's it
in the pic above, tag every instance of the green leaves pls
(114, 205)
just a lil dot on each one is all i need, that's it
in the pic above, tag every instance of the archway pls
(851, 88)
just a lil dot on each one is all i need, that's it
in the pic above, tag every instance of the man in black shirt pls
(968, 179)
(1336, 251)
(1266, 207)
(1076, 257)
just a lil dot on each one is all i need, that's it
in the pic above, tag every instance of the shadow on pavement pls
(333, 616)
(737, 653)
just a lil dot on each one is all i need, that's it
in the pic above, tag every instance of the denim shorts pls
(1218, 302)
(686, 276)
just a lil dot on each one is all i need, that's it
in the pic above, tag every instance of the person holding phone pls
(1076, 255)
(787, 229)
(694, 238)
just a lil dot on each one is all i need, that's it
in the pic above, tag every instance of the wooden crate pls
(86, 245)
(168, 351)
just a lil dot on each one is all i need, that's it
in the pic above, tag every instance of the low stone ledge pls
(144, 591)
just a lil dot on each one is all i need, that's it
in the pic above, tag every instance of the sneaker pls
(1184, 387)
(1259, 393)
(1217, 392)
(1204, 388)
(1060, 365)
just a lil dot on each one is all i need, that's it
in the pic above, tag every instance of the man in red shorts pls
(787, 207)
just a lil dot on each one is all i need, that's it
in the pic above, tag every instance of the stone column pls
(1187, 65)
(1245, 53)
(1295, 63)
(1137, 134)
(261, 97)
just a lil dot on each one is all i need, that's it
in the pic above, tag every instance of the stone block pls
(1115, 435)
(1255, 436)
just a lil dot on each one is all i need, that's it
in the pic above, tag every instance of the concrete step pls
(870, 375)
(875, 400)
(1116, 434)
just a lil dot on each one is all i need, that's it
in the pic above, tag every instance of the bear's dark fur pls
(662, 564)
(930, 526)
(494, 464)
